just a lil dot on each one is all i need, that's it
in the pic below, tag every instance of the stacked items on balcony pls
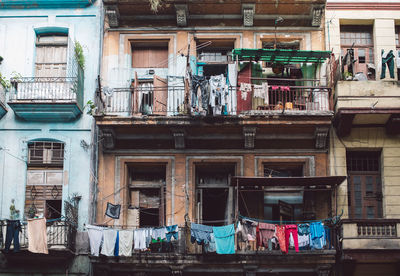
(118, 242)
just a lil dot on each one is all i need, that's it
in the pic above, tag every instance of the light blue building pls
(51, 52)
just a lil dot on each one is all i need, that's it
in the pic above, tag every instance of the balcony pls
(373, 234)
(3, 109)
(60, 236)
(162, 101)
(192, 258)
(47, 99)
(367, 103)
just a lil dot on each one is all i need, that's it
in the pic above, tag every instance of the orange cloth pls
(37, 236)
(280, 235)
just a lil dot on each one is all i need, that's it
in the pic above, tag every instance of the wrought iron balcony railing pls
(168, 101)
(48, 90)
(60, 235)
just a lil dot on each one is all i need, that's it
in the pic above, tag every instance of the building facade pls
(208, 112)
(50, 62)
(364, 143)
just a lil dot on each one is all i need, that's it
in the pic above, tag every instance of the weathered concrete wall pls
(369, 138)
(356, 94)
(180, 177)
(383, 22)
(17, 47)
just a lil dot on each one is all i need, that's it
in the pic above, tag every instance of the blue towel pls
(172, 231)
(200, 233)
(224, 239)
(317, 235)
(116, 248)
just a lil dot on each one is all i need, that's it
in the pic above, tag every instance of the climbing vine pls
(79, 54)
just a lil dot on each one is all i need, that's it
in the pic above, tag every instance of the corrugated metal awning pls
(281, 55)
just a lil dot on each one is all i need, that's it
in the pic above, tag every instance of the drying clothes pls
(109, 240)
(12, 233)
(113, 210)
(244, 89)
(172, 231)
(199, 98)
(224, 239)
(317, 235)
(285, 88)
(218, 93)
(280, 236)
(95, 234)
(37, 236)
(125, 243)
(139, 237)
(387, 59)
(210, 247)
(267, 231)
(116, 247)
(303, 231)
(291, 229)
(200, 233)
(159, 233)
(398, 59)
(261, 91)
(250, 229)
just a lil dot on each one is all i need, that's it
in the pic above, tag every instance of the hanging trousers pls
(291, 229)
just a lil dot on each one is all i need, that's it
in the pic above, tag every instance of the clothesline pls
(284, 221)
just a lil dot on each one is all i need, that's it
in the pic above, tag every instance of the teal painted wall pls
(18, 28)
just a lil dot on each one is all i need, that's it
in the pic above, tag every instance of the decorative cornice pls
(362, 6)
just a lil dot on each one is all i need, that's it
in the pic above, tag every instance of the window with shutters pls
(45, 178)
(364, 184)
(150, 54)
(51, 55)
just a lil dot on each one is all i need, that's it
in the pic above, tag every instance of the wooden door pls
(160, 96)
(365, 196)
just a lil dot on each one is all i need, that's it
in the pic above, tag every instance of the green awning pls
(280, 55)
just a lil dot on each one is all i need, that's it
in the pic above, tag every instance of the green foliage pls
(91, 107)
(79, 54)
(4, 82)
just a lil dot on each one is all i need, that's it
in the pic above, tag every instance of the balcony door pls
(51, 56)
(364, 184)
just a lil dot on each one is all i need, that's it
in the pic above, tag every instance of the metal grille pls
(46, 153)
(363, 161)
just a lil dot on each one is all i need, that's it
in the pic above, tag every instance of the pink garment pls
(267, 231)
(274, 87)
(37, 236)
(291, 229)
(285, 88)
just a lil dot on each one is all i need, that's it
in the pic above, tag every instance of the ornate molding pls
(112, 13)
(321, 133)
(317, 12)
(182, 13)
(248, 11)
(249, 134)
(108, 136)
